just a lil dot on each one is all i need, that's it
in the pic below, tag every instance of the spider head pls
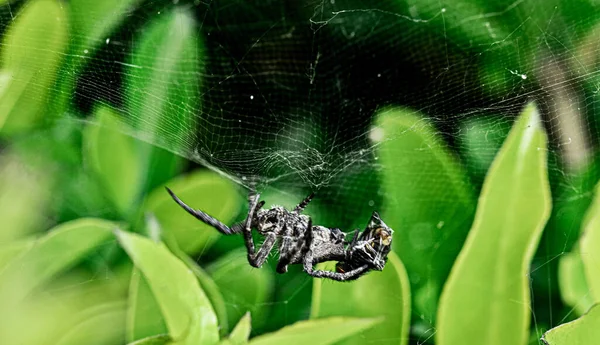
(373, 245)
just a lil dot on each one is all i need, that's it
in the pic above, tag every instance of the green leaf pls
(574, 288)
(32, 49)
(56, 252)
(243, 287)
(208, 285)
(316, 332)
(428, 201)
(113, 157)
(102, 324)
(241, 332)
(93, 22)
(13, 249)
(144, 317)
(486, 299)
(389, 297)
(204, 190)
(590, 246)
(480, 140)
(162, 90)
(185, 308)
(24, 187)
(160, 339)
(584, 330)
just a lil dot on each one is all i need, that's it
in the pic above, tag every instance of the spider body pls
(299, 242)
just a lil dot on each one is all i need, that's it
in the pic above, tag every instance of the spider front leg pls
(253, 203)
(350, 275)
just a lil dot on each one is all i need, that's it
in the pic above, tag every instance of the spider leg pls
(350, 275)
(258, 259)
(222, 228)
(239, 227)
(253, 203)
(298, 209)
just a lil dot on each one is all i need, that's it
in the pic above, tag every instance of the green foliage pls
(74, 284)
(584, 330)
(436, 209)
(113, 157)
(389, 296)
(316, 332)
(486, 297)
(188, 313)
(32, 51)
(241, 332)
(244, 288)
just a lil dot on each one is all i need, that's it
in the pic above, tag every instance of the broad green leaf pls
(389, 296)
(73, 304)
(100, 325)
(316, 332)
(25, 187)
(93, 23)
(486, 299)
(12, 250)
(584, 330)
(56, 252)
(113, 157)
(573, 285)
(32, 49)
(148, 303)
(185, 308)
(243, 287)
(144, 318)
(590, 247)
(241, 332)
(153, 340)
(428, 201)
(162, 90)
(208, 285)
(202, 190)
(480, 139)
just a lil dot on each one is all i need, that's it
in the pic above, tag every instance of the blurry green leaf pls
(574, 289)
(316, 332)
(428, 201)
(32, 49)
(584, 330)
(162, 90)
(153, 340)
(243, 287)
(59, 250)
(202, 190)
(481, 138)
(206, 282)
(389, 293)
(101, 325)
(66, 308)
(113, 157)
(92, 22)
(590, 246)
(186, 310)
(144, 317)
(241, 332)
(11, 250)
(486, 297)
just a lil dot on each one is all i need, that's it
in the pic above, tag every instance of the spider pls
(302, 243)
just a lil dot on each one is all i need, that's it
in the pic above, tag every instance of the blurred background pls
(104, 102)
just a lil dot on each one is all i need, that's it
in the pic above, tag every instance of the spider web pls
(288, 92)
